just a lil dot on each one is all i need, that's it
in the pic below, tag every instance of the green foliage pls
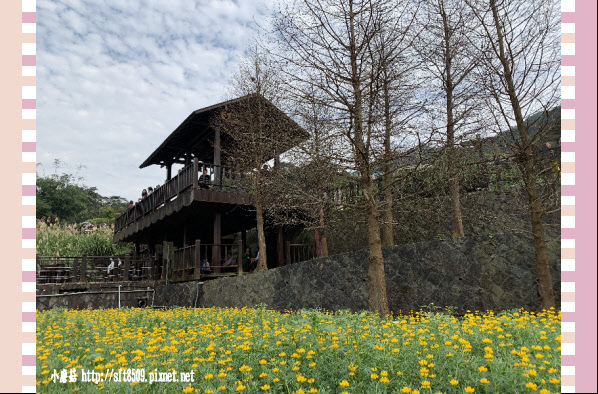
(64, 197)
(57, 240)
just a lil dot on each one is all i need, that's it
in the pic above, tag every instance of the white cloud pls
(115, 78)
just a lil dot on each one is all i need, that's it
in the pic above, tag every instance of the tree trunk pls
(545, 287)
(377, 300)
(323, 242)
(262, 263)
(387, 231)
(457, 221)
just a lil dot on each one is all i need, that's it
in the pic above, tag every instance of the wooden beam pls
(168, 171)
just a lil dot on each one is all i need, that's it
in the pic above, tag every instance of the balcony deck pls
(226, 192)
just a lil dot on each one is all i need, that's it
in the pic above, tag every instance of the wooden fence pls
(96, 269)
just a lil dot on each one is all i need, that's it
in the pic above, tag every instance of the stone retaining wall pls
(473, 273)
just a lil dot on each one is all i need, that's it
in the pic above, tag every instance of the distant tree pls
(450, 59)
(520, 43)
(63, 196)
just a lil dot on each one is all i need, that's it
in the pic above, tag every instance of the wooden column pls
(197, 260)
(185, 236)
(187, 159)
(83, 270)
(126, 268)
(240, 258)
(280, 247)
(168, 171)
(217, 241)
(217, 160)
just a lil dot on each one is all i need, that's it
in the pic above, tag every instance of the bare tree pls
(519, 41)
(330, 42)
(258, 131)
(447, 52)
(396, 83)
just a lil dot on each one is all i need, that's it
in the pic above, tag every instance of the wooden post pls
(168, 171)
(185, 235)
(195, 172)
(126, 265)
(288, 252)
(197, 260)
(280, 248)
(244, 239)
(75, 269)
(83, 275)
(217, 162)
(164, 259)
(217, 241)
(240, 258)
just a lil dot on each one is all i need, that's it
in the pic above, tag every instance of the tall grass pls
(59, 240)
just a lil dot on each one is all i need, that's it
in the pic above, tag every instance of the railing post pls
(126, 268)
(83, 274)
(195, 172)
(288, 252)
(240, 258)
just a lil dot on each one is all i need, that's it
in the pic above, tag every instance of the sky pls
(115, 78)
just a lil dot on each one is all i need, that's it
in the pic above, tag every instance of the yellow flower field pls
(257, 350)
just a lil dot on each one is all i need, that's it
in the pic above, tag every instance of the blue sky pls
(115, 78)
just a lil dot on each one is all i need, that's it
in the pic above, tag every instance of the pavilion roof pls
(194, 136)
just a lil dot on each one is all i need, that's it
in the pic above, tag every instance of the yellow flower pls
(554, 381)
(469, 389)
(531, 385)
(208, 376)
(240, 387)
(484, 380)
(263, 375)
(426, 384)
(406, 389)
(262, 362)
(384, 379)
(265, 387)
(188, 389)
(312, 390)
(544, 391)
(374, 376)
(344, 383)
(482, 369)
(454, 382)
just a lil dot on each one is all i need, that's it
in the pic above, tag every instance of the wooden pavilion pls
(189, 223)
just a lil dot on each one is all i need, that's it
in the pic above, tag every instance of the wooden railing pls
(206, 260)
(296, 253)
(221, 178)
(86, 269)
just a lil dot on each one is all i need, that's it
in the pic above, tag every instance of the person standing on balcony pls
(144, 193)
(204, 180)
